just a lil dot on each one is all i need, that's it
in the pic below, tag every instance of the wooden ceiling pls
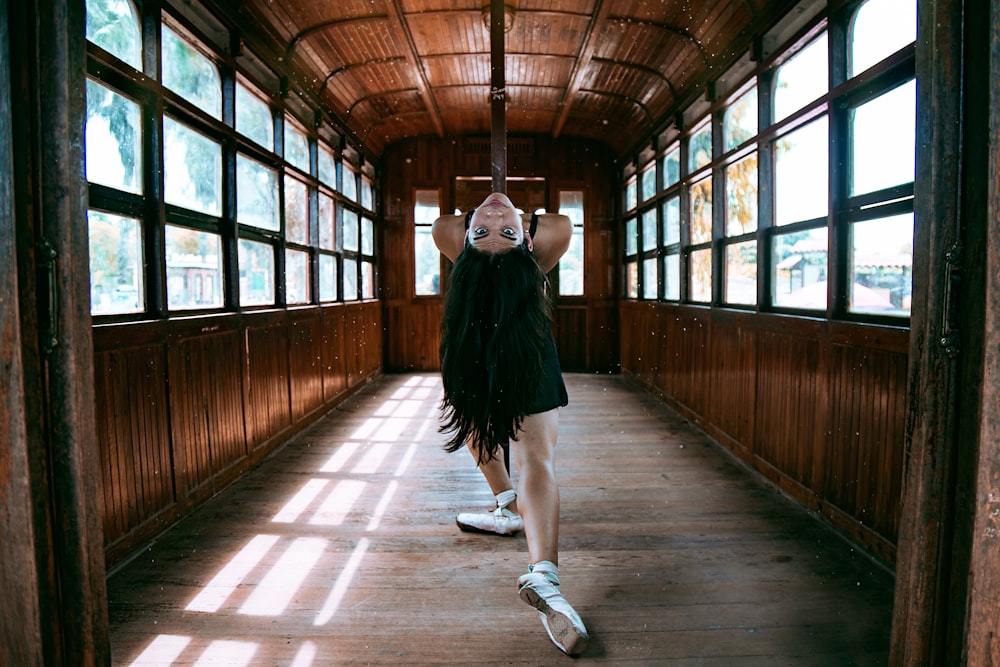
(601, 69)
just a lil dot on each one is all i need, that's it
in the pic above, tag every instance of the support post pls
(498, 99)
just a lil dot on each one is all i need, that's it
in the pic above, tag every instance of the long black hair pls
(495, 327)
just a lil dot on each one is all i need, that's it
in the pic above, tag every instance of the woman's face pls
(496, 225)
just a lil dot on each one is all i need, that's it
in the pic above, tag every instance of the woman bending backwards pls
(502, 383)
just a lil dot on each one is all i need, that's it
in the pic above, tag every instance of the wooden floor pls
(341, 549)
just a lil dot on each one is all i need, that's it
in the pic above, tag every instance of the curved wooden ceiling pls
(609, 70)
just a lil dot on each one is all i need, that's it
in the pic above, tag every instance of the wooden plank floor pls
(341, 549)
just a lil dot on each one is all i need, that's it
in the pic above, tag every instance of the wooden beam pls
(399, 27)
(587, 46)
(498, 99)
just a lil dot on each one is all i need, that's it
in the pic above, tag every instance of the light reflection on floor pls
(386, 441)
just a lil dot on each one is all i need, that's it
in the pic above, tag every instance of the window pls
(192, 169)
(701, 211)
(650, 282)
(349, 182)
(881, 265)
(327, 166)
(631, 194)
(648, 179)
(882, 127)
(801, 79)
(880, 28)
(189, 73)
(671, 167)
(740, 122)
(670, 215)
(700, 276)
(700, 146)
(116, 260)
(194, 269)
(114, 26)
(256, 273)
(297, 289)
(571, 263)
(427, 259)
(253, 116)
(256, 194)
(631, 259)
(801, 174)
(297, 212)
(296, 145)
(113, 139)
(283, 207)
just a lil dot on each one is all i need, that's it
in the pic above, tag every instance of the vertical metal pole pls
(498, 98)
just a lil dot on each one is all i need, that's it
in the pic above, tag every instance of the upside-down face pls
(496, 225)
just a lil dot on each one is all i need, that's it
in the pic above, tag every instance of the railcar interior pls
(217, 219)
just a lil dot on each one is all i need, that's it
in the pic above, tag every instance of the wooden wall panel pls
(268, 405)
(178, 402)
(136, 481)
(786, 377)
(570, 331)
(206, 406)
(305, 363)
(816, 406)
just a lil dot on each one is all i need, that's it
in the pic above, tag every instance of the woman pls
(502, 383)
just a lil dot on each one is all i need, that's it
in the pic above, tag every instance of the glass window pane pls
(327, 278)
(649, 286)
(349, 184)
(113, 139)
(671, 167)
(881, 265)
(327, 166)
(194, 269)
(880, 28)
(740, 122)
(672, 221)
(700, 266)
(632, 280)
(741, 273)
(701, 211)
(428, 262)
(350, 279)
(367, 196)
(631, 237)
(700, 147)
(256, 194)
(649, 230)
(190, 74)
(253, 117)
(649, 181)
(883, 135)
(256, 273)
(801, 172)
(672, 277)
(631, 194)
(349, 229)
(114, 26)
(327, 222)
(367, 280)
(800, 269)
(367, 236)
(571, 263)
(192, 169)
(116, 284)
(296, 146)
(297, 211)
(802, 79)
(741, 196)
(296, 276)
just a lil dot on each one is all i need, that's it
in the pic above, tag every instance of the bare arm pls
(550, 242)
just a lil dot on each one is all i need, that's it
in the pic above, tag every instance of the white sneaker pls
(500, 521)
(565, 628)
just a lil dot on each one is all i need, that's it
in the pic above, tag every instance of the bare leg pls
(538, 491)
(496, 475)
